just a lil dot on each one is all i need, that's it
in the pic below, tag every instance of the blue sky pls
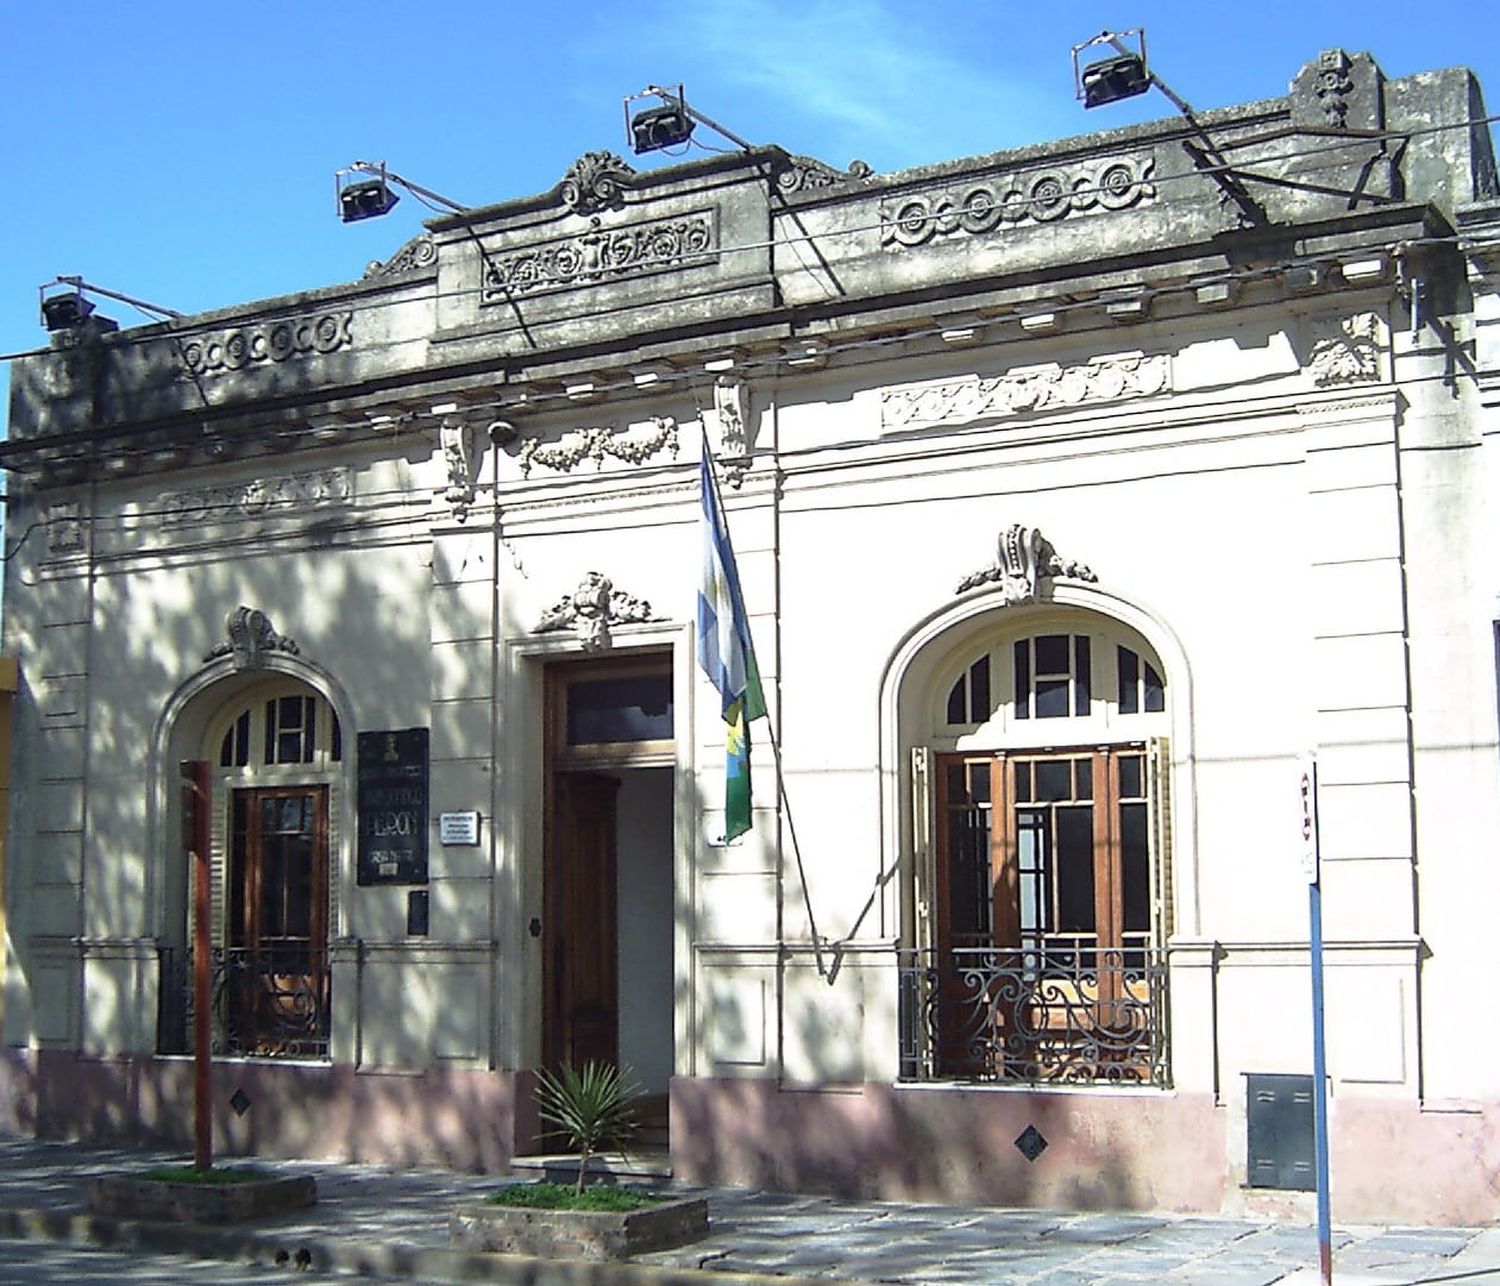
(184, 153)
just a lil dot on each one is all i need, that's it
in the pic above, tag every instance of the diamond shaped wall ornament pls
(1030, 1143)
(240, 1102)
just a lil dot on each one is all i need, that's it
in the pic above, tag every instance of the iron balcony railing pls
(269, 1001)
(1045, 1013)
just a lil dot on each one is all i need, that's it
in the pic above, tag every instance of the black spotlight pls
(65, 312)
(1111, 79)
(659, 127)
(368, 199)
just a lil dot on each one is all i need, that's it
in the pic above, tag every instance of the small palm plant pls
(592, 1108)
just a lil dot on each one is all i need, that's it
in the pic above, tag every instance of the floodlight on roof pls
(669, 123)
(370, 197)
(68, 309)
(1120, 74)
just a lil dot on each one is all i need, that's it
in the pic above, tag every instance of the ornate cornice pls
(591, 609)
(1040, 196)
(289, 340)
(1023, 391)
(808, 174)
(603, 253)
(1022, 557)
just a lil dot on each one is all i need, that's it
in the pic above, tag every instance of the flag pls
(726, 654)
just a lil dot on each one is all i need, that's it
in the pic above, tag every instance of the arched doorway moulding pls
(972, 614)
(178, 734)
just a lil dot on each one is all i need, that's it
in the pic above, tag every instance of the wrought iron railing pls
(1045, 1013)
(267, 1002)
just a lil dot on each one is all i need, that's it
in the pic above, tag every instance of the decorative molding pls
(1022, 391)
(598, 444)
(1333, 86)
(65, 529)
(595, 181)
(808, 174)
(603, 253)
(1345, 350)
(591, 609)
(233, 350)
(256, 498)
(419, 252)
(251, 638)
(1040, 196)
(1023, 556)
(459, 442)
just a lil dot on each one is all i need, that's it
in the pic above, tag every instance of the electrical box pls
(1279, 1119)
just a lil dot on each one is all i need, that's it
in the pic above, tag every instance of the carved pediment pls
(591, 609)
(595, 181)
(251, 638)
(1022, 558)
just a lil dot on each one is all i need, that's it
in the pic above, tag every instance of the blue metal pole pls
(1320, 1081)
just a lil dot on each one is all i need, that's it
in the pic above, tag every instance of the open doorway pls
(608, 974)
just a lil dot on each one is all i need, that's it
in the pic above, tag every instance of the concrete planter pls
(136, 1198)
(578, 1234)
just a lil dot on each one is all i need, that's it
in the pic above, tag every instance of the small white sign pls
(1307, 817)
(458, 828)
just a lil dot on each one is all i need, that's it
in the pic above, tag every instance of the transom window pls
(288, 729)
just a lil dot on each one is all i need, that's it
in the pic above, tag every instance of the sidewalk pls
(377, 1222)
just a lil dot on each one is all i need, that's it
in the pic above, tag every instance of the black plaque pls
(393, 807)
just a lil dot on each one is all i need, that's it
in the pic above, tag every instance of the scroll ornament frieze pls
(257, 497)
(602, 253)
(251, 639)
(419, 252)
(292, 339)
(633, 445)
(595, 181)
(592, 609)
(1037, 196)
(1024, 391)
(807, 174)
(1023, 556)
(1345, 351)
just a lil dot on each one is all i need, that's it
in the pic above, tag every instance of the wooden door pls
(583, 1000)
(276, 967)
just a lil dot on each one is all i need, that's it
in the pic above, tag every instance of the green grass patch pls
(214, 1177)
(561, 1196)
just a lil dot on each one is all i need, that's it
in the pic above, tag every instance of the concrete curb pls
(80, 1228)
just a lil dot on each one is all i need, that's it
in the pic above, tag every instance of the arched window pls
(1046, 897)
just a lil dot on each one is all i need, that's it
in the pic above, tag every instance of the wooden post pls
(196, 778)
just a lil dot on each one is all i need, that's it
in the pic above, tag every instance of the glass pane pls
(1135, 863)
(1083, 770)
(1155, 691)
(958, 791)
(310, 735)
(979, 783)
(1130, 776)
(239, 822)
(979, 690)
(1022, 655)
(1031, 863)
(969, 871)
(299, 866)
(289, 747)
(1052, 699)
(608, 710)
(242, 740)
(1075, 870)
(1129, 667)
(1053, 779)
(1052, 654)
(226, 751)
(270, 732)
(1080, 674)
(337, 751)
(1023, 782)
(957, 706)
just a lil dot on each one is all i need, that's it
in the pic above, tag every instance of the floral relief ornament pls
(599, 444)
(1023, 556)
(591, 609)
(1346, 350)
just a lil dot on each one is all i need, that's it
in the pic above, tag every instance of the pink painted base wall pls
(1393, 1161)
(460, 1119)
(1104, 1151)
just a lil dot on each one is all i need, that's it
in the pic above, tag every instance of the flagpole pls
(781, 791)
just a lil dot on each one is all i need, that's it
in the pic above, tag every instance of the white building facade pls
(1077, 494)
